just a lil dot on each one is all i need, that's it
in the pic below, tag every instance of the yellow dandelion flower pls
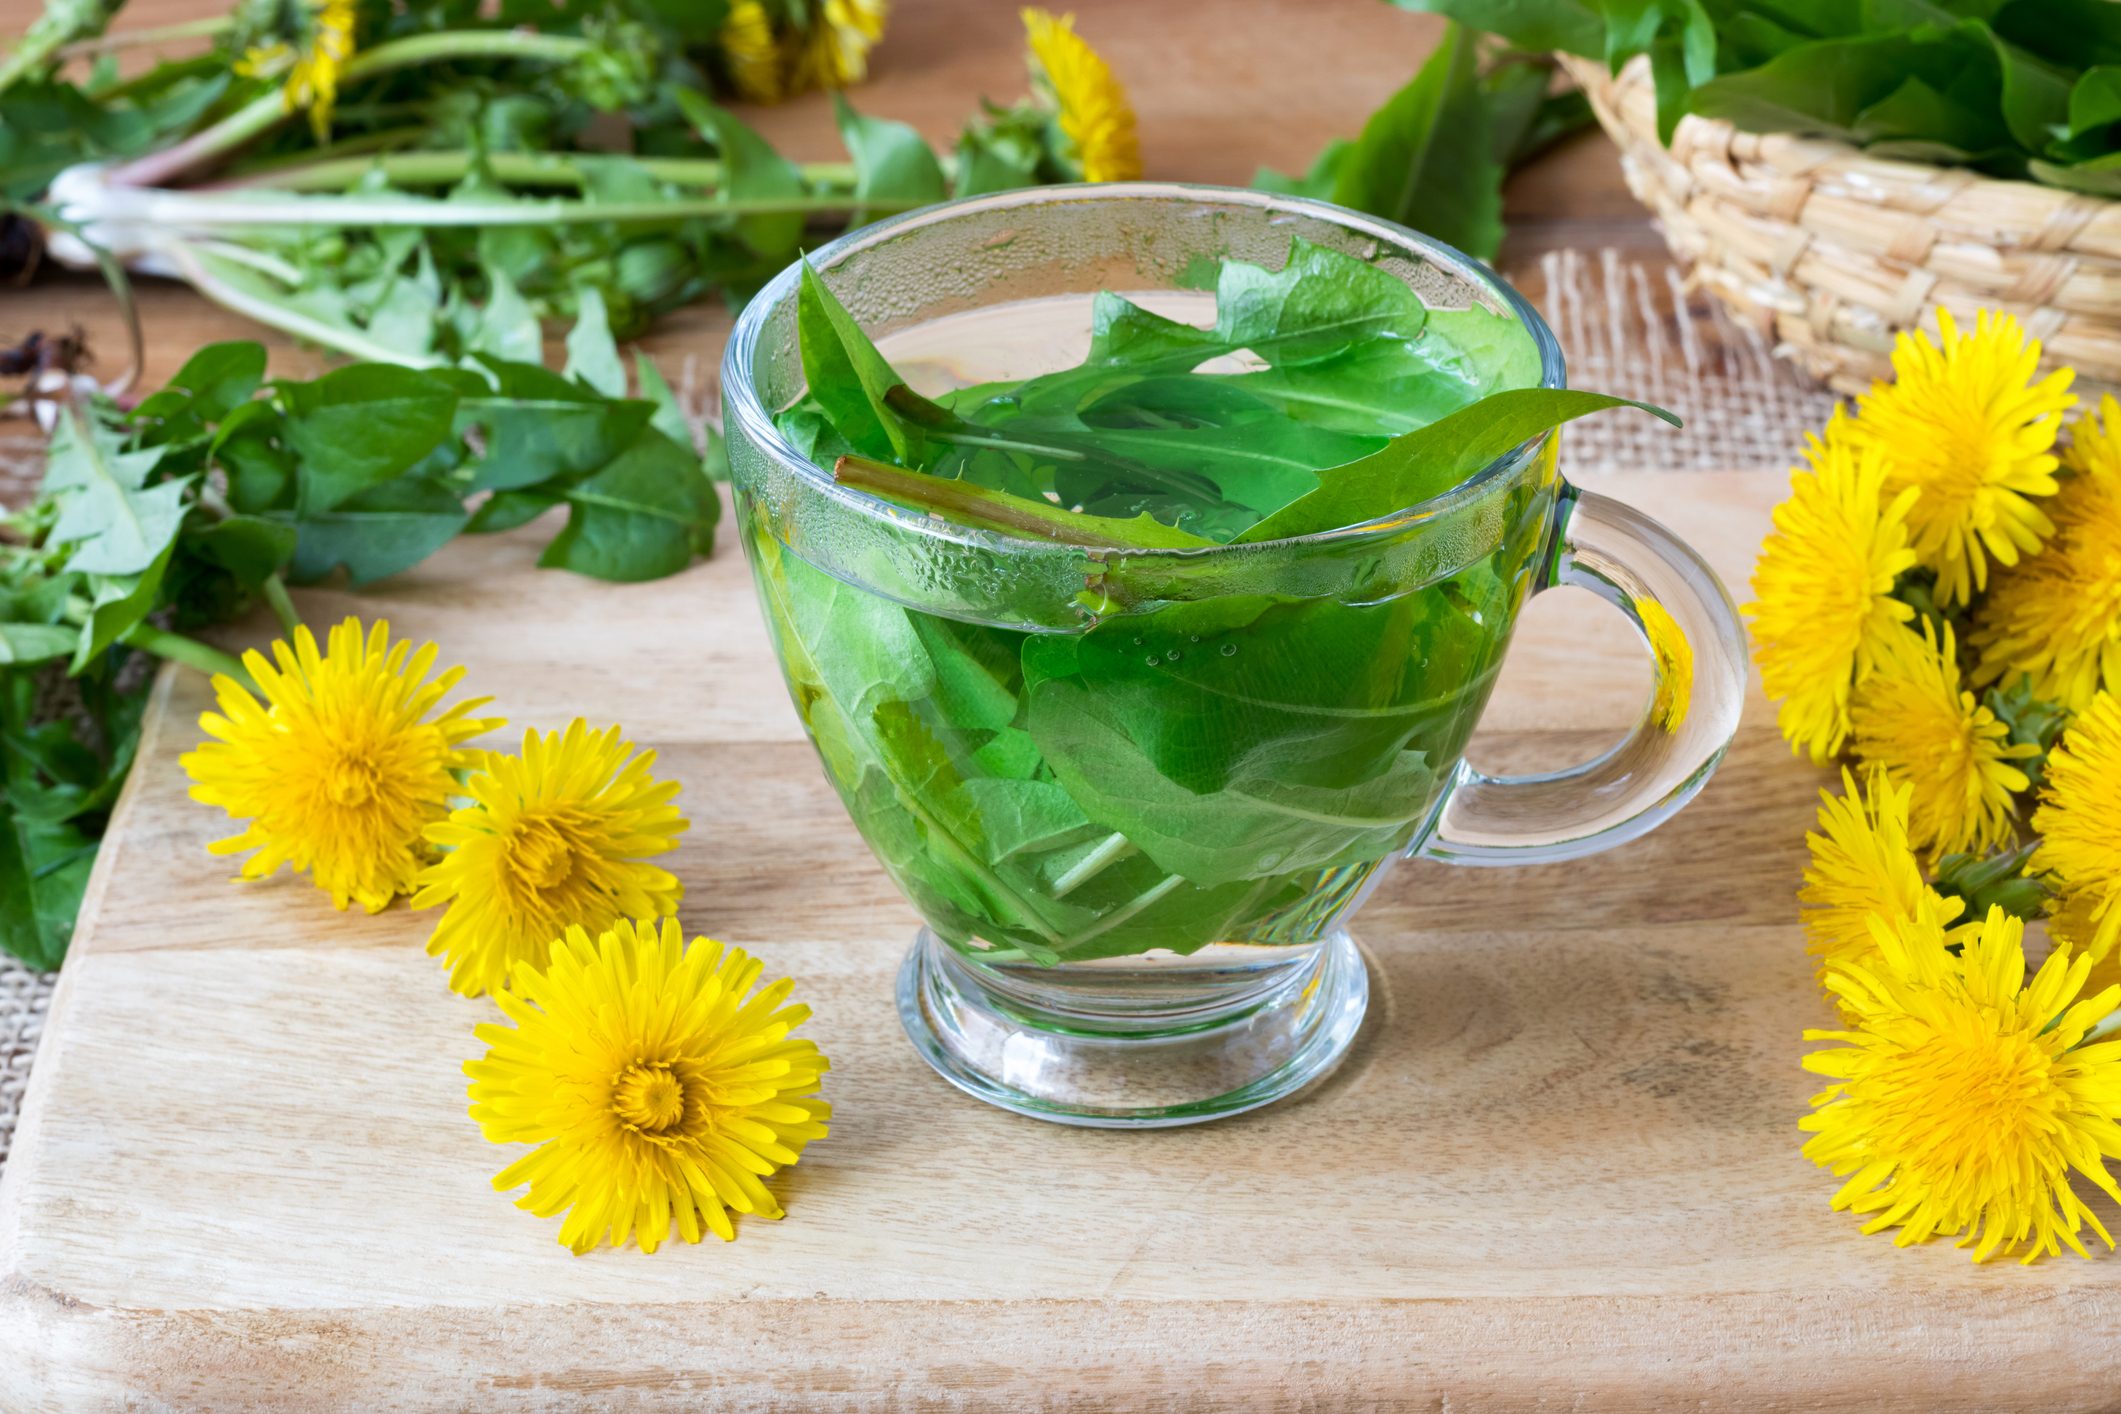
(1962, 1099)
(2057, 617)
(342, 766)
(656, 1083)
(262, 60)
(1913, 718)
(1863, 867)
(553, 838)
(2106, 972)
(828, 49)
(1092, 106)
(312, 79)
(1964, 422)
(2078, 821)
(753, 53)
(835, 53)
(1823, 606)
(2073, 921)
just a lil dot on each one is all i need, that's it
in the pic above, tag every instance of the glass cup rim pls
(756, 420)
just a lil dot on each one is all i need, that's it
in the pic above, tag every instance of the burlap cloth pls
(1628, 327)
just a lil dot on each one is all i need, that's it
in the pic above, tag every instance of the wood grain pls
(1559, 1167)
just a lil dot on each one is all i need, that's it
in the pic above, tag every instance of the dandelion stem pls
(1092, 864)
(188, 651)
(260, 171)
(162, 208)
(287, 319)
(283, 607)
(264, 262)
(959, 438)
(347, 165)
(140, 38)
(268, 111)
(972, 504)
(1153, 894)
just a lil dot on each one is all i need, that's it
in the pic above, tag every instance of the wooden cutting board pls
(1560, 1166)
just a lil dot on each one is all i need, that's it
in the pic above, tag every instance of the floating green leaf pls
(847, 376)
(1431, 460)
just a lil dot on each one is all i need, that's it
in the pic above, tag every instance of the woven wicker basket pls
(1830, 252)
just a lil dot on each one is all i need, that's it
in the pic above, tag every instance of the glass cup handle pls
(1697, 650)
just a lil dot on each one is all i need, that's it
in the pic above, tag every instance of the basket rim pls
(1596, 79)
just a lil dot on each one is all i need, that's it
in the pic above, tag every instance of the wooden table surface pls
(1560, 1167)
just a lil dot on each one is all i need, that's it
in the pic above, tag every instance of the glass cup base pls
(1133, 1047)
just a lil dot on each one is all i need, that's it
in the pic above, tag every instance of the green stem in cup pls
(972, 504)
(1153, 894)
(940, 424)
(1114, 848)
(943, 425)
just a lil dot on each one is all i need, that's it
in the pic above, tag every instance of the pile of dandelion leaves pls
(468, 166)
(222, 488)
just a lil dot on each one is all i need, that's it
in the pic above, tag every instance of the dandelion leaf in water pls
(1319, 304)
(1431, 460)
(1209, 429)
(1242, 736)
(1392, 386)
(1191, 764)
(848, 378)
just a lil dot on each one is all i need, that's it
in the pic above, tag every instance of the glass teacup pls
(1137, 795)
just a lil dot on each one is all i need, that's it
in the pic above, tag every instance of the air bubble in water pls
(1229, 650)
